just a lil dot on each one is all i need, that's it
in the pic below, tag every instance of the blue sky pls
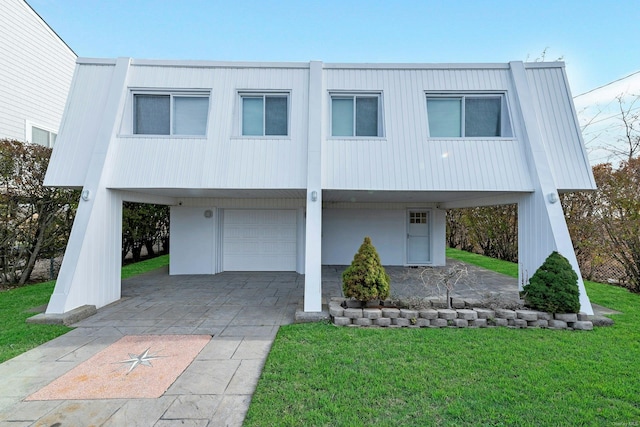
(598, 40)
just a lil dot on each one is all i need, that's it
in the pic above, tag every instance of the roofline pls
(51, 29)
(305, 65)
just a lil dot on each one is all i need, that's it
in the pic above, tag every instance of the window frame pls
(52, 135)
(354, 95)
(263, 94)
(172, 94)
(506, 127)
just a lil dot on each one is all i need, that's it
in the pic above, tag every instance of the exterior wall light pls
(314, 196)
(86, 195)
(208, 213)
(553, 197)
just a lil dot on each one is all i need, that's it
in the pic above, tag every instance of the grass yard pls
(17, 336)
(321, 375)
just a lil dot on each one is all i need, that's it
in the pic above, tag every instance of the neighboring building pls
(288, 166)
(36, 69)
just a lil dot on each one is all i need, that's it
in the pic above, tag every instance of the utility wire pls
(607, 84)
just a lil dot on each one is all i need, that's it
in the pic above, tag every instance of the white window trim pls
(171, 93)
(506, 126)
(263, 93)
(354, 94)
(28, 131)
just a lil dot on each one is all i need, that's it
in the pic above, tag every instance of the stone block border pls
(455, 318)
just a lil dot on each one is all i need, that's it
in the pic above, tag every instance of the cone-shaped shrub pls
(554, 287)
(365, 279)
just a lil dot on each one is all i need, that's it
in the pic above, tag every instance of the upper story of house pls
(36, 69)
(380, 127)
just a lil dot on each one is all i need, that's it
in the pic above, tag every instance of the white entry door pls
(418, 237)
(259, 240)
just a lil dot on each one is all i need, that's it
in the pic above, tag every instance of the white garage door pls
(259, 240)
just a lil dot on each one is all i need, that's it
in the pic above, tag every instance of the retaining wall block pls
(438, 303)
(341, 321)
(557, 324)
(382, 321)
(566, 317)
(445, 313)
(371, 313)
(499, 321)
(520, 323)
(428, 313)
(362, 321)
(583, 325)
(467, 314)
(527, 315)
(460, 323)
(352, 313)
(543, 315)
(478, 323)
(335, 310)
(439, 323)
(542, 323)
(457, 303)
(505, 314)
(391, 313)
(422, 322)
(400, 321)
(583, 317)
(408, 314)
(485, 313)
(472, 302)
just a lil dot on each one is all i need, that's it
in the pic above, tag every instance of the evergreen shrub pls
(553, 287)
(365, 279)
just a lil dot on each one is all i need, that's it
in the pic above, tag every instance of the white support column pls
(542, 228)
(90, 271)
(313, 239)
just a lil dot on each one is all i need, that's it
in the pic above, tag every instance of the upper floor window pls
(265, 114)
(468, 116)
(170, 114)
(356, 115)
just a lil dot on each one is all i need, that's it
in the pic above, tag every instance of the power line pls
(607, 84)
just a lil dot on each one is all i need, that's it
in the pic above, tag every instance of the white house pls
(287, 166)
(36, 68)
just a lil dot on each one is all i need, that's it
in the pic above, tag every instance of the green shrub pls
(365, 279)
(554, 287)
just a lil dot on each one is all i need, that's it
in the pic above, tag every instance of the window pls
(417, 217)
(170, 114)
(42, 137)
(265, 115)
(355, 115)
(468, 116)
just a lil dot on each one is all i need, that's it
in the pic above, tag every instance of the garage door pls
(259, 240)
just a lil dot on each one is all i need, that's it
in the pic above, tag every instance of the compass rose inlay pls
(143, 359)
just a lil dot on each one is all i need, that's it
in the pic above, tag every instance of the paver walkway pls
(242, 311)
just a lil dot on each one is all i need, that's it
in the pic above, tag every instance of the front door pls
(418, 237)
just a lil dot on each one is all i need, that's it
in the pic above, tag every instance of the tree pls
(34, 220)
(142, 226)
(619, 212)
(365, 279)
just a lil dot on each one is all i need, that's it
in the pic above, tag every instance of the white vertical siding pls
(35, 71)
(223, 159)
(405, 158)
(559, 128)
(79, 129)
(193, 240)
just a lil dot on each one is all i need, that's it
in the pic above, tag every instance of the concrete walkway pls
(242, 311)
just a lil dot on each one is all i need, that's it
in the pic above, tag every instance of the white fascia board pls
(216, 64)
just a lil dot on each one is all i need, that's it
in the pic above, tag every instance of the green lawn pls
(321, 375)
(17, 336)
